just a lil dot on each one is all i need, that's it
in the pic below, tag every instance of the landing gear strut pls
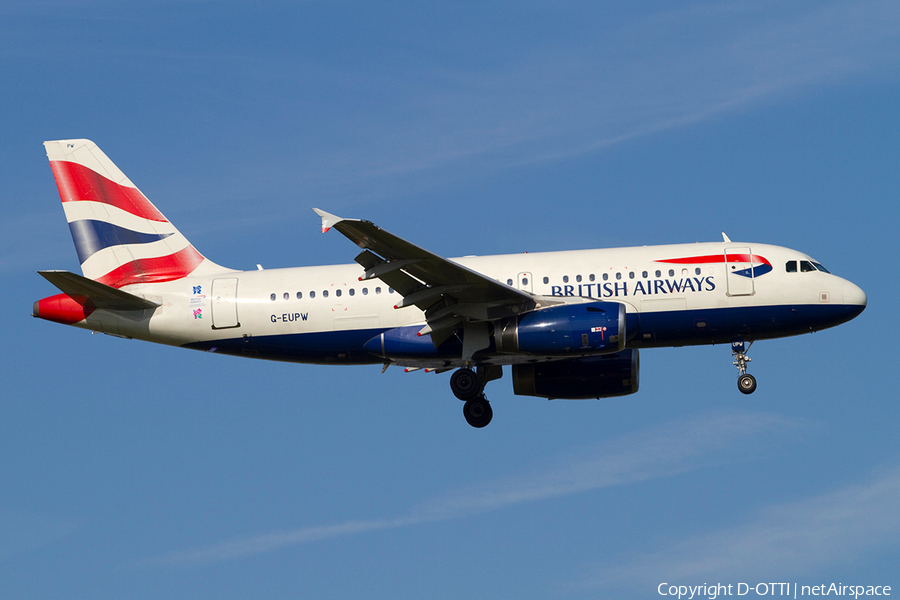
(746, 382)
(468, 386)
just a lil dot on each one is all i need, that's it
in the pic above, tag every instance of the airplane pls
(568, 324)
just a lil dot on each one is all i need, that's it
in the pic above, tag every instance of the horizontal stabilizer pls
(100, 295)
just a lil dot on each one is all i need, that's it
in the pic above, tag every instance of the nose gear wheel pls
(746, 383)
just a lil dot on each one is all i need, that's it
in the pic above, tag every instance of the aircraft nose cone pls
(853, 294)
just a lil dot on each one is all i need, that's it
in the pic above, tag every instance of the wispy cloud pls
(573, 96)
(348, 132)
(783, 540)
(676, 447)
(23, 532)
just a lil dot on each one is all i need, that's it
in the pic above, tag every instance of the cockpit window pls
(821, 268)
(806, 266)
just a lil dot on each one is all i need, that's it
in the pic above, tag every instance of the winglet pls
(328, 220)
(725, 238)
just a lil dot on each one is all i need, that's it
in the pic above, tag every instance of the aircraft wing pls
(446, 291)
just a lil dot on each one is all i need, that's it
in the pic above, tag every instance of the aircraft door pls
(524, 282)
(739, 267)
(224, 303)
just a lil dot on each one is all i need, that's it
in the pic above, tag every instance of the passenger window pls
(509, 282)
(630, 274)
(591, 277)
(605, 276)
(618, 276)
(287, 296)
(524, 281)
(791, 266)
(337, 293)
(272, 297)
(325, 294)
(365, 291)
(312, 294)
(565, 279)
(658, 273)
(697, 271)
(352, 292)
(806, 266)
(378, 290)
(546, 280)
(644, 274)
(671, 272)
(578, 279)
(390, 290)
(299, 295)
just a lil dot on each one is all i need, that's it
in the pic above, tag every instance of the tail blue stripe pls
(93, 236)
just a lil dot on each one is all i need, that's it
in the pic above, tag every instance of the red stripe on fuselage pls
(77, 182)
(716, 258)
(154, 270)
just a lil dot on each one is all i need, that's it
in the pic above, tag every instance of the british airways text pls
(650, 287)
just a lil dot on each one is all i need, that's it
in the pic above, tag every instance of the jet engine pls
(579, 378)
(587, 328)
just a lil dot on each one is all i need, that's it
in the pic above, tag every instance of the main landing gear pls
(478, 412)
(468, 386)
(746, 382)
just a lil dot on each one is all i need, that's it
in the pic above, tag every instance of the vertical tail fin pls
(120, 237)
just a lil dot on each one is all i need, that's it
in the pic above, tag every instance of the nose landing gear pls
(746, 382)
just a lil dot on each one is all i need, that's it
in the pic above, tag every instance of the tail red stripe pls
(154, 270)
(77, 182)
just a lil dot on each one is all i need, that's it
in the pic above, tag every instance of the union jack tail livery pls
(120, 237)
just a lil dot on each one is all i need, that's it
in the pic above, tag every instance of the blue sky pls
(142, 471)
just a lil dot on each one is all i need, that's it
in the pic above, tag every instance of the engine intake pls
(588, 328)
(580, 378)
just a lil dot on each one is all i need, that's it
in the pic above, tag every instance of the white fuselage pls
(325, 313)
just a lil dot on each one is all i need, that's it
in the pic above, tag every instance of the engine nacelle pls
(587, 328)
(580, 378)
(405, 342)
